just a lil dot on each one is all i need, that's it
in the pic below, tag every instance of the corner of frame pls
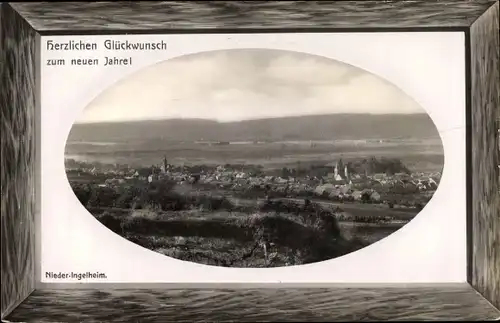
(485, 104)
(17, 164)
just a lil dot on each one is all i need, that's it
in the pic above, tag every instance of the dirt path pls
(357, 209)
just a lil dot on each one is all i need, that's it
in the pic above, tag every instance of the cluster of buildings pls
(339, 184)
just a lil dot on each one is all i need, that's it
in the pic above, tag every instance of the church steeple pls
(165, 164)
(336, 174)
(340, 164)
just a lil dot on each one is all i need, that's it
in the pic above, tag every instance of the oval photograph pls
(253, 158)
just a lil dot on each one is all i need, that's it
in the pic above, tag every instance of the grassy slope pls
(231, 238)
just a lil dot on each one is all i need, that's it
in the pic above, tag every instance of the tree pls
(111, 222)
(330, 225)
(307, 203)
(83, 193)
(285, 172)
(125, 199)
(365, 197)
(163, 186)
(195, 178)
(103, 197)
(144, 171)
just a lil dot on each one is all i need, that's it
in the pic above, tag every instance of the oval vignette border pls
(323, 58)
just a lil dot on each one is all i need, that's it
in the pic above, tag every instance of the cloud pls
(245, 84)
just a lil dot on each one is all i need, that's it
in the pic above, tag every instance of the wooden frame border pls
(21, 24)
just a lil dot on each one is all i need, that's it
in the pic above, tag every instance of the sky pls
(242, 84)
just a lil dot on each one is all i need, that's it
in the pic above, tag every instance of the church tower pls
(340, 165)
(165, 164)
(336, 174)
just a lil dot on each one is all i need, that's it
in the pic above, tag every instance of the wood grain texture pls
(255, 305)
(17, 101)
(17, 120)
(485, 105)
(120, 15)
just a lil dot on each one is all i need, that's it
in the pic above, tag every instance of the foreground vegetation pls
(234, 240)
(215, 230)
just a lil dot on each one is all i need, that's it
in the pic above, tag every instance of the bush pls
(162, 187)
(219, 203)
(170, 201)
(111, 222)
(83, 193)
(366, 197)
(125, 200)
(103, 197)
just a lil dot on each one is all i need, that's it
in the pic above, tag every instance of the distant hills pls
(316, 127)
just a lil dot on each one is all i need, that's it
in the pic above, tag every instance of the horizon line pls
(242, 120)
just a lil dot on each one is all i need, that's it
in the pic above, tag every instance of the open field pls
(418, 155)
(350, 210)
(246, 235)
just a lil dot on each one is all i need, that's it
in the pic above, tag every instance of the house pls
(280, 180)
(338, 182)
(114, 181)
(358, 181)
(357, 195)
(242, 181)
(375, 196)
(432, 183)
(322, 189)
(335, 194)
(310, 182)
(241, 175)
(194, 178)
(346, 189)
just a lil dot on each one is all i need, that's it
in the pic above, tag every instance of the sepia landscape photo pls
(254, 158)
